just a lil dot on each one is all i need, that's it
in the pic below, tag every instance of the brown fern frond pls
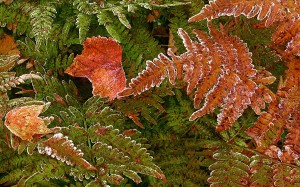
(270, 125)
(286, 30)
(285, 12)
(271, 10)
(219, 68)
(293, 47)
(235, 85)
(155, 72)
(291, 146)
(284, 175)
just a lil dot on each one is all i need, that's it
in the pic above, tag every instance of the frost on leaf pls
(101, 63)
(219, 68)
(282, 114)
(25, 123)
(268, 10)
(62, 149)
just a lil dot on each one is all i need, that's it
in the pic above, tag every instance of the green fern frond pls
(47, 86)
(61, 148)
(15, 17)
(12, 177)
(86, 7)
(122, 155)
(42, 18)
(83, 24)
(230, 169)
(261, 170)
(119, 12)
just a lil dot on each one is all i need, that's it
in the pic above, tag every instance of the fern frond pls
(122, 155)
(16, 17)
(230, 169)
(61, 148)
(41, 20)
(12, 177)
(270, 125)
(270, 10)
(83, 24)
(47, 86)
(119, 12)
(219, 67)
(285, 175)
(261, 171)
(86, 7)
(286, 30)
(291, 151)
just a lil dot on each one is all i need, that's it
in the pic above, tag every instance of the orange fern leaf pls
(286, 30)
(235, 86)
(286, 12)
(219, 68)
(269, 126)
(291, 146)
(272, 10)
(155, 72)
(293, 47)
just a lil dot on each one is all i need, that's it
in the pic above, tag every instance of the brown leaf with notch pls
(101, 63)
(25, 123)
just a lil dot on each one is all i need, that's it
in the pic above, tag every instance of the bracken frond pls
(61, 148)
(282, 114)
(230, 169)
(219, 68)
(271, 10)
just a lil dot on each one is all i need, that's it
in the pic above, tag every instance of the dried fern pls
(219, 68)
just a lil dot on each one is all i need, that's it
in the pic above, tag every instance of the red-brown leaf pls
(8, 46)
(101, 63)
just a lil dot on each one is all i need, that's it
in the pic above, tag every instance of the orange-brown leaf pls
(101, 63)
(8, 46)
(25, 123)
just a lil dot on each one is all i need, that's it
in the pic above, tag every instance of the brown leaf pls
(25, 123)
(101, 63)
(8, 46)
(7, 2)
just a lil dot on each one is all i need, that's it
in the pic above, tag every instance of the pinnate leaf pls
(61, 148)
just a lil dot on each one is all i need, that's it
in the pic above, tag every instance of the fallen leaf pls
(101, 63)
(25, 123)
(7, 2)
(8, 46)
